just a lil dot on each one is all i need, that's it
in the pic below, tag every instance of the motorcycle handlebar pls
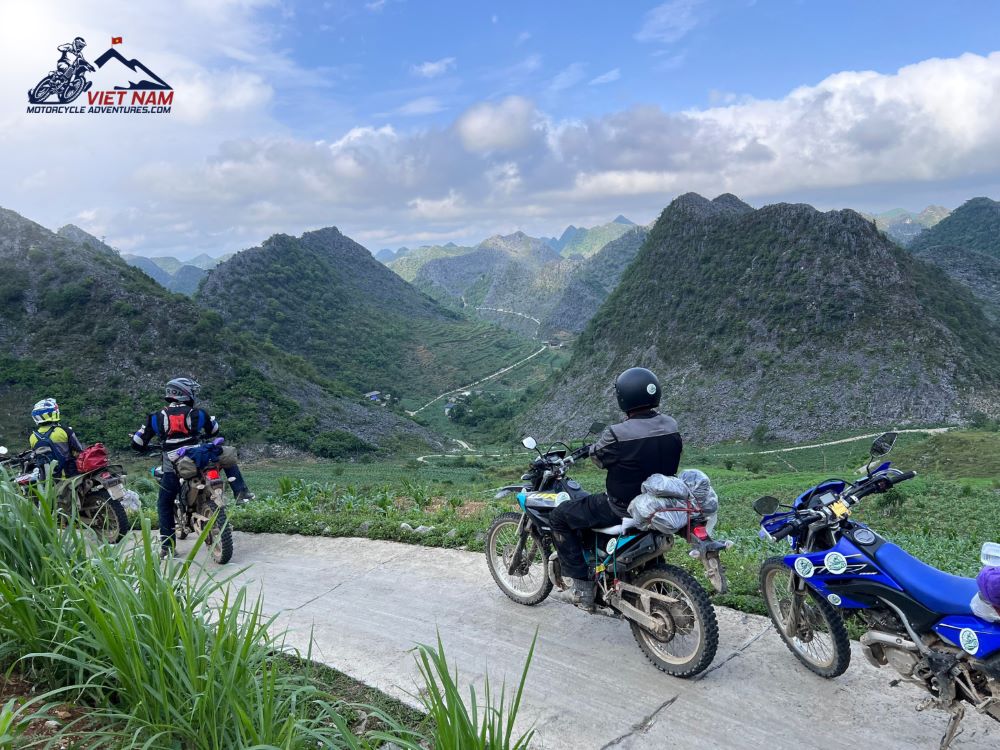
(794, 527)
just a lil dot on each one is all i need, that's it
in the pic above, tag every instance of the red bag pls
(91, 459)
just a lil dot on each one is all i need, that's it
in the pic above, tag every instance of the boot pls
(580, 594)
(244, 497)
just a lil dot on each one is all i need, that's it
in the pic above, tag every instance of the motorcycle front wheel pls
(529, 584)
(71, 90)
(688, 637)
(820, 639)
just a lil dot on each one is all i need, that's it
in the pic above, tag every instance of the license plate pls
(840, 509)
(116, 492)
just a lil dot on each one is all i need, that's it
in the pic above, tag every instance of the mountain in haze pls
(181, 276)
(387, 255)
(520, 282)
(324, 297)
(78, 236)
(586, 242)
(407, 265)
(79, 324)
(905, 226)
(589, 283)
(966, 246)
(781, 321)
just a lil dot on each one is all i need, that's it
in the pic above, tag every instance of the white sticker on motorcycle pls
(833, 599)
(804, 567)
(970, 640)
(835, 563)
(612, 545)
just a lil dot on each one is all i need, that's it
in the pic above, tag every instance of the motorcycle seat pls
(625, 525)
(938, 591)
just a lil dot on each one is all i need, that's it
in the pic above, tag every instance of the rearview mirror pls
(529, 443)
(3, 450)
(596, 428)
(765, 506)
(883, 444)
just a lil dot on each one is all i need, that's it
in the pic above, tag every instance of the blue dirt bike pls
(919, 620)
(669, 612)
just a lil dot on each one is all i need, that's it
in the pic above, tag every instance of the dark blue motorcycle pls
(919, 619)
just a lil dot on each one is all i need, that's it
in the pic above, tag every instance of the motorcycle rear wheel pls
(530, 585)
(220, 538)
(109, 521)
(821, 642)
(692, 632)
(43, 90)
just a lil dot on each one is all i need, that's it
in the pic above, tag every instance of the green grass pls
(163, 655)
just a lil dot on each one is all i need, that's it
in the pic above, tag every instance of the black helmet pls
(637, 388)
(79, 44)
(181, 389)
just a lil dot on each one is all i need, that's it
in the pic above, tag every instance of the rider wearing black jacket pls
(646, 443)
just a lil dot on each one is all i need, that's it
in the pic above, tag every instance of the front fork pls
(798, 596)
(523, 535)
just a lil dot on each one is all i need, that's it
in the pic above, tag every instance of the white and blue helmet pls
(46, 410)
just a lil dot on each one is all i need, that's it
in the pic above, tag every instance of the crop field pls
(943, 516)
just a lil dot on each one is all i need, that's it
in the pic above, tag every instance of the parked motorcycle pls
(202, 496)
(66, 86)
(669, 612)
(97, 493)
(919, 619)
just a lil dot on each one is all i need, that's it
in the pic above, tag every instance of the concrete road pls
(365, 603)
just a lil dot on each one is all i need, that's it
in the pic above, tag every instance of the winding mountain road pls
(365, 603)
(497, 374)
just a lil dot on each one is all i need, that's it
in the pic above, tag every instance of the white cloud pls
(221, 173)
(424, 105)
(505, 126)
(669, 22)
(449, 207)
(609, 77)
(522, 38)
(375, 6)
(433, 68)
(568, 77)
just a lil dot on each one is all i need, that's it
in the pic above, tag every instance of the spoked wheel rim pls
(105, 525)
(682, 631)
(531, 577)
(812, 640)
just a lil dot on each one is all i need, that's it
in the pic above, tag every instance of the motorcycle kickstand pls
(957, 714)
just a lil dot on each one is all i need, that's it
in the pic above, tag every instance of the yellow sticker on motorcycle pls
(840, 509)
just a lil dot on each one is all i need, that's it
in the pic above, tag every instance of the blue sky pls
(405, 122)
(762, 49)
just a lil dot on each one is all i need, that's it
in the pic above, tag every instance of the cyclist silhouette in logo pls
(68, 80)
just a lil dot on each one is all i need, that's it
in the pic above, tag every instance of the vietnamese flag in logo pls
(116, 40)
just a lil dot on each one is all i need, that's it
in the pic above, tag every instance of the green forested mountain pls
(782, 321)
(79, 324)
(966, 246)
(975, 226)
(324, 297)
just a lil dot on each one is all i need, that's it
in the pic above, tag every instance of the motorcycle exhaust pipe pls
(873, 645)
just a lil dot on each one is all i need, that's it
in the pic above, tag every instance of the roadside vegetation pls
(108, 647)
